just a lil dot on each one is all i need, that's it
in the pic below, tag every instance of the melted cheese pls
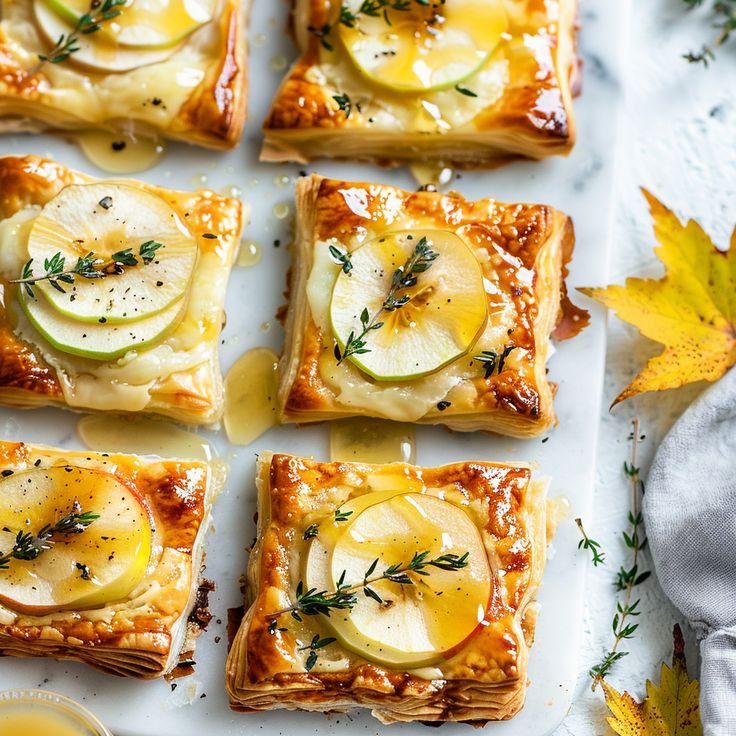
(125, 384)
(406, 401)
(94, 98)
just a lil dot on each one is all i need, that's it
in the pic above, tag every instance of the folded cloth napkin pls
(690, 514)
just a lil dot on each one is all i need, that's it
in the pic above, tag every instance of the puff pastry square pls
(146, 634)
(483, 679)
(518, 103)
(196, 94)
(178, 377)
(522, 250)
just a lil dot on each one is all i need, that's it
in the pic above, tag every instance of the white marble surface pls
(678, 139)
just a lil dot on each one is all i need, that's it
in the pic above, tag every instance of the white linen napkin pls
(690, 514)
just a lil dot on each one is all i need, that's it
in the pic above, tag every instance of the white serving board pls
(581, 186)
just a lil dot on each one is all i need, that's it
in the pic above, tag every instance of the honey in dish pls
(250, 396)
(372, 441)
(141, 436)
(118, 153)
(31, 720)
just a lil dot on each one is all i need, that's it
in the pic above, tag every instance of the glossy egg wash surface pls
(254, 295)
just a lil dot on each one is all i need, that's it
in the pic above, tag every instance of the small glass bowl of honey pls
(26, 712)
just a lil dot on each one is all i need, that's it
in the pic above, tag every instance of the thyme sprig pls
(627, 578)
(371, 8)
(311, 602)
(404, 277)
(89, 266)
(725, 12)
(28, 546)
(91, 22)
(597, 557)
(493, 362)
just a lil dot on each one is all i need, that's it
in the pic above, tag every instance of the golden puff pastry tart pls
(113, 292)
(165, 69)
(462, 82)
(424, 307)
(100, 558)
(406, 590)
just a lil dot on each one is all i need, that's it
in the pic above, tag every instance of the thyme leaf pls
(403, 277)
(342, 258)
(493, 362)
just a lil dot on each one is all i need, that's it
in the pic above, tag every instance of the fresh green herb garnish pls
(89, 23)
(403, 278)
(628, 577)
(371, 8)
(344, 103)
(29, 546)
(312, 602)
(597, 557)
(492, 361)
(311, 531)
(465, 91)
(313, 646)
(725, 23)
(341, 257)
(343, 515)
(90, 266)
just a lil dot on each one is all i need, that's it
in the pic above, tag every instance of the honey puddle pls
(372, 441)
(558, 510)
(250, 396)
(141, 436)
(435, 174)
(118, 153)
(249, 254)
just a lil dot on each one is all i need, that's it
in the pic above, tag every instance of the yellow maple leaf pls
(670, 708)
(691, 310)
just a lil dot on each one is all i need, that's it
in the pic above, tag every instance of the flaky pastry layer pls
(179, 377)
(522, 250)
(521, 103)
(484, 680)
(198, 94)
(143, 635)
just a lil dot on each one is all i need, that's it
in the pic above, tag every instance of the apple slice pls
(425, 46)
(446, 312)
(99, 341)
(97, 50)
(97, 566)
(415, 625)
(106, 218)
(144, 23)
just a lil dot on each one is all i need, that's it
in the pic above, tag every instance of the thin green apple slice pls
(446, 312)
(99, 564)
(423, 46)
(144, 23)
(96, 51)
(106, 218)
(416, 624)
(101, 340)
